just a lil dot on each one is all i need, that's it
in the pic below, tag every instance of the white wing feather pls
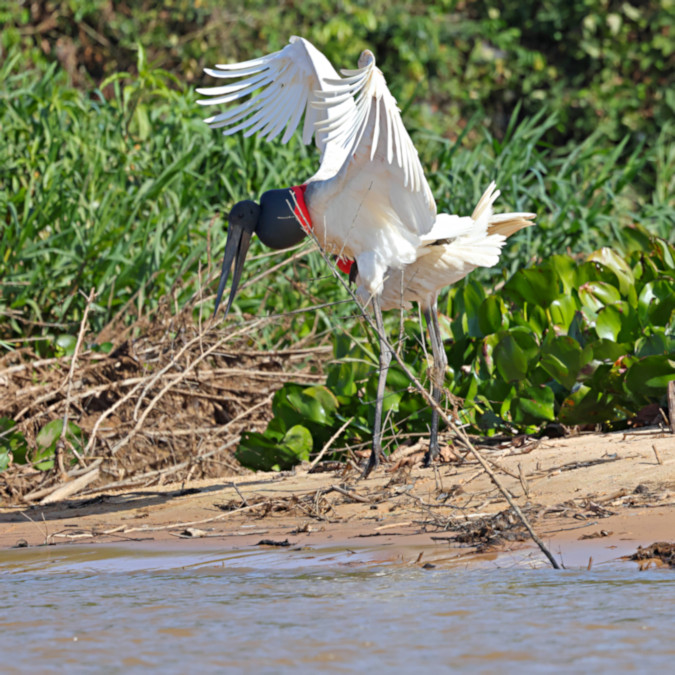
(281, 86)
(373, 98)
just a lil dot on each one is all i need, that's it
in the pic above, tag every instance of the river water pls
(107, 609)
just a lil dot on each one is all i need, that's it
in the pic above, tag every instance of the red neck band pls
(302, 214)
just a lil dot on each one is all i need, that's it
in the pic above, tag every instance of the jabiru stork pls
(369, 203)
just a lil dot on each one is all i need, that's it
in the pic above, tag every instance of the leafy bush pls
(581, 342)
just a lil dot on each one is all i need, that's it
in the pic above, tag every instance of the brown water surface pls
(176, 610)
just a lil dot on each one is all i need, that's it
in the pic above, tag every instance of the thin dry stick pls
(174, 360)
(73, 363)
(167, 387)
(523, 481)
(210, 430)
(351, 495)
(460, 434)
(43, 492)
(330, 441)
(171, 526)
(656, 454)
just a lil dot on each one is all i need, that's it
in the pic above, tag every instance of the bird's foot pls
(430, 455)
(373, 463)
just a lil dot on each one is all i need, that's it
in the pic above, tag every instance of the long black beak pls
(243, 221)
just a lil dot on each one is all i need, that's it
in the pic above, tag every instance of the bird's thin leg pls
(437, 377)
(385, 360)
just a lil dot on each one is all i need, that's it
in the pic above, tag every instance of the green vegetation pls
(110, 180)
(570, 341)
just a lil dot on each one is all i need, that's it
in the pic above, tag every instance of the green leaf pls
(656, 302)
(649, 377)
(562, 358)
(608, 350)
(619, 266)
(12, 443)
(536, 286)
(297, 404)
(492, 315)
(299, 440)
(617, 322)
(564, 268)
(259, 453)
(513, 354)
(465, 306)
(47, 439)
(533, 405)
(596, 294)
(587, 406)
(658, 343)
(562, 310)
(66, 344)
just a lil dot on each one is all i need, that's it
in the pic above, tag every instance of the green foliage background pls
(109, 179)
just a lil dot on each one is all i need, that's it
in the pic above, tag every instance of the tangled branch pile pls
(172, 401)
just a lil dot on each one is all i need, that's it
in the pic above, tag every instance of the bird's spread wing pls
(377, 141)
(272, 93)
(385, 133)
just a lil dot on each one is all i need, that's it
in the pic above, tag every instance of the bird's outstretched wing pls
(376, 122)
(278, 89)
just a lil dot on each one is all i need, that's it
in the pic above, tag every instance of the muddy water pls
(110, 610)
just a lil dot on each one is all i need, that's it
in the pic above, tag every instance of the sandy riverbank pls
(594, 495)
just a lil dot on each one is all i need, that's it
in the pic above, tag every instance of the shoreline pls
(596, 496)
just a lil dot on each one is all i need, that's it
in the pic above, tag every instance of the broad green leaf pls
(299, 440)
(619, 266)
(562, 310)
(665, 252)
(649, 377)
(259, 453)
(536, 286)
(533, 405)
(565, 269)
(617, 322)
(608, 350)
(66, 343)
(657, 343)
(587, 406)
(596, 294)
(513, 354)
(594, 271)
(562, 358)
(491, 315)
(465, 306)
(300, 404)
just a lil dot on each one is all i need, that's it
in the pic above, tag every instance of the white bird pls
(369, 202)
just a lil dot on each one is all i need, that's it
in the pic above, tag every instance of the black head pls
(274, 221)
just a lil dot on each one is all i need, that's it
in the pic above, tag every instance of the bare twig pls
(656, 454)
(73, 363)
(330, 441)
(349, 494)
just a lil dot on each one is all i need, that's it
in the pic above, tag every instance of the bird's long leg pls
(385, 360)
(437, 376)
